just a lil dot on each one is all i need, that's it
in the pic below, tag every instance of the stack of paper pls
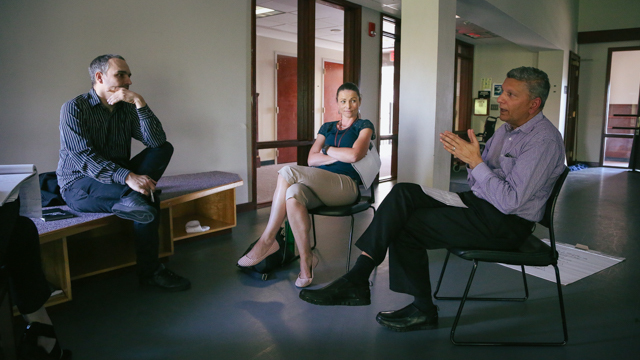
(21, 180)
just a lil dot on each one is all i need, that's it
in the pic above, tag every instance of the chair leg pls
(462, 301)
(444, 266)
(561, 301)
(526, 288)
(313, 225)
(350, 242)
(509, 343)
(6, 328)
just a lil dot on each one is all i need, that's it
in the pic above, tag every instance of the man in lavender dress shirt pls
(510, 183)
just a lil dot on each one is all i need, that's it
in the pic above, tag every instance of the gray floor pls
(230, 315)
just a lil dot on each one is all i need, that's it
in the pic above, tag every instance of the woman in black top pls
(330, 180)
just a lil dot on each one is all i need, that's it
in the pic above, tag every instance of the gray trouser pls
(315, 187)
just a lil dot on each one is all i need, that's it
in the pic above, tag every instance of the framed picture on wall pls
(480, 107)
(497, 90)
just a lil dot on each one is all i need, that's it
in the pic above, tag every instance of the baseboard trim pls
(240, 208)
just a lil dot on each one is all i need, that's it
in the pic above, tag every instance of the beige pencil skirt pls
(315, 187)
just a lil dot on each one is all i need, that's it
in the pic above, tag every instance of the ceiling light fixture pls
(264, 12)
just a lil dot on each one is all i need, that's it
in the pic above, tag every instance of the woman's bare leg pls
(300, 226)
(278, 212)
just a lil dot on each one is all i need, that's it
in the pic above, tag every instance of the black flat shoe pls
(408, 318)
(29, 349)
(135, 207)
(167, 280)
(339, 292)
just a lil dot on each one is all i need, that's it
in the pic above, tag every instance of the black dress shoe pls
(339, 292)
(135, 207)
(166, 280)
(29, 349)
(408, 318)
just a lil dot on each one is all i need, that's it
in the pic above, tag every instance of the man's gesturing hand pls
(123, 94)
(141, 183)
(469, 152)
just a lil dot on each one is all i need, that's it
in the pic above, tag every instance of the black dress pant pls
(89, 195)
(408, 222)
(20, 259)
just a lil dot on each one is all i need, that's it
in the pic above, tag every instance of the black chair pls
(363, 203)
(7, 336)
(533, 252)
(489, 130)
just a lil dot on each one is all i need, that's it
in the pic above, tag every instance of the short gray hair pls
(101, 64)
(537, 81)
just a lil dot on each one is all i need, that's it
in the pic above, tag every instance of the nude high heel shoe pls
(246, 261)
(300, 282)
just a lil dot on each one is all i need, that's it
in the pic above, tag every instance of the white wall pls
(608, 15)
(370, 68)
(190, 60)
(546, 27)
(554, 20)
(426, 91)
(556, 64)
(592, 90)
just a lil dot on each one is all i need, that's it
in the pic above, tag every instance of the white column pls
(426, 90)
(556, 64)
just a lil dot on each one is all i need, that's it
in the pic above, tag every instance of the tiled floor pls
(230, 315)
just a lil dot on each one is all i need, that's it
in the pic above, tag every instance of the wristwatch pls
(325, 148)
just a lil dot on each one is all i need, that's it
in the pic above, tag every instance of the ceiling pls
(330, 23)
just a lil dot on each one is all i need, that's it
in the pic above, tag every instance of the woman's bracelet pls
(325, 148)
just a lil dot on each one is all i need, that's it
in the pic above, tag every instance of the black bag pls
(49, 190)
(285, 254)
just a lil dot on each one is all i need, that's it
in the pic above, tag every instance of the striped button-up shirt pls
(520, 168)
(96, 142)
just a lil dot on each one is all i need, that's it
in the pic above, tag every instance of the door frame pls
(607, 84)
(276, 109)
(465, 97)
(396, 93)
(324, 100)
(571, 116)
(306, 86)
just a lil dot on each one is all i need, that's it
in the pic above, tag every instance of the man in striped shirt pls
(96, 172)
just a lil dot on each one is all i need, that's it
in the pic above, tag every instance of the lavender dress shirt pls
(520, 168)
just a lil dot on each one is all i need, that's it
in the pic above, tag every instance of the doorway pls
(389, 97)
(286, 106)
(463, 95)
(332, 75)
(286, 115)
(621, 107)
(571, 124)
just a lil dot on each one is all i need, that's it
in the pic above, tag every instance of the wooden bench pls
(94, 243)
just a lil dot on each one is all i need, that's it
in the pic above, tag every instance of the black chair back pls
(547, 219)
(371, 197)
(489, 128)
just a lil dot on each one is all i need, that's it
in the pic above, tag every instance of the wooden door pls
(332, 79)
(286, 106)
(571, 122)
